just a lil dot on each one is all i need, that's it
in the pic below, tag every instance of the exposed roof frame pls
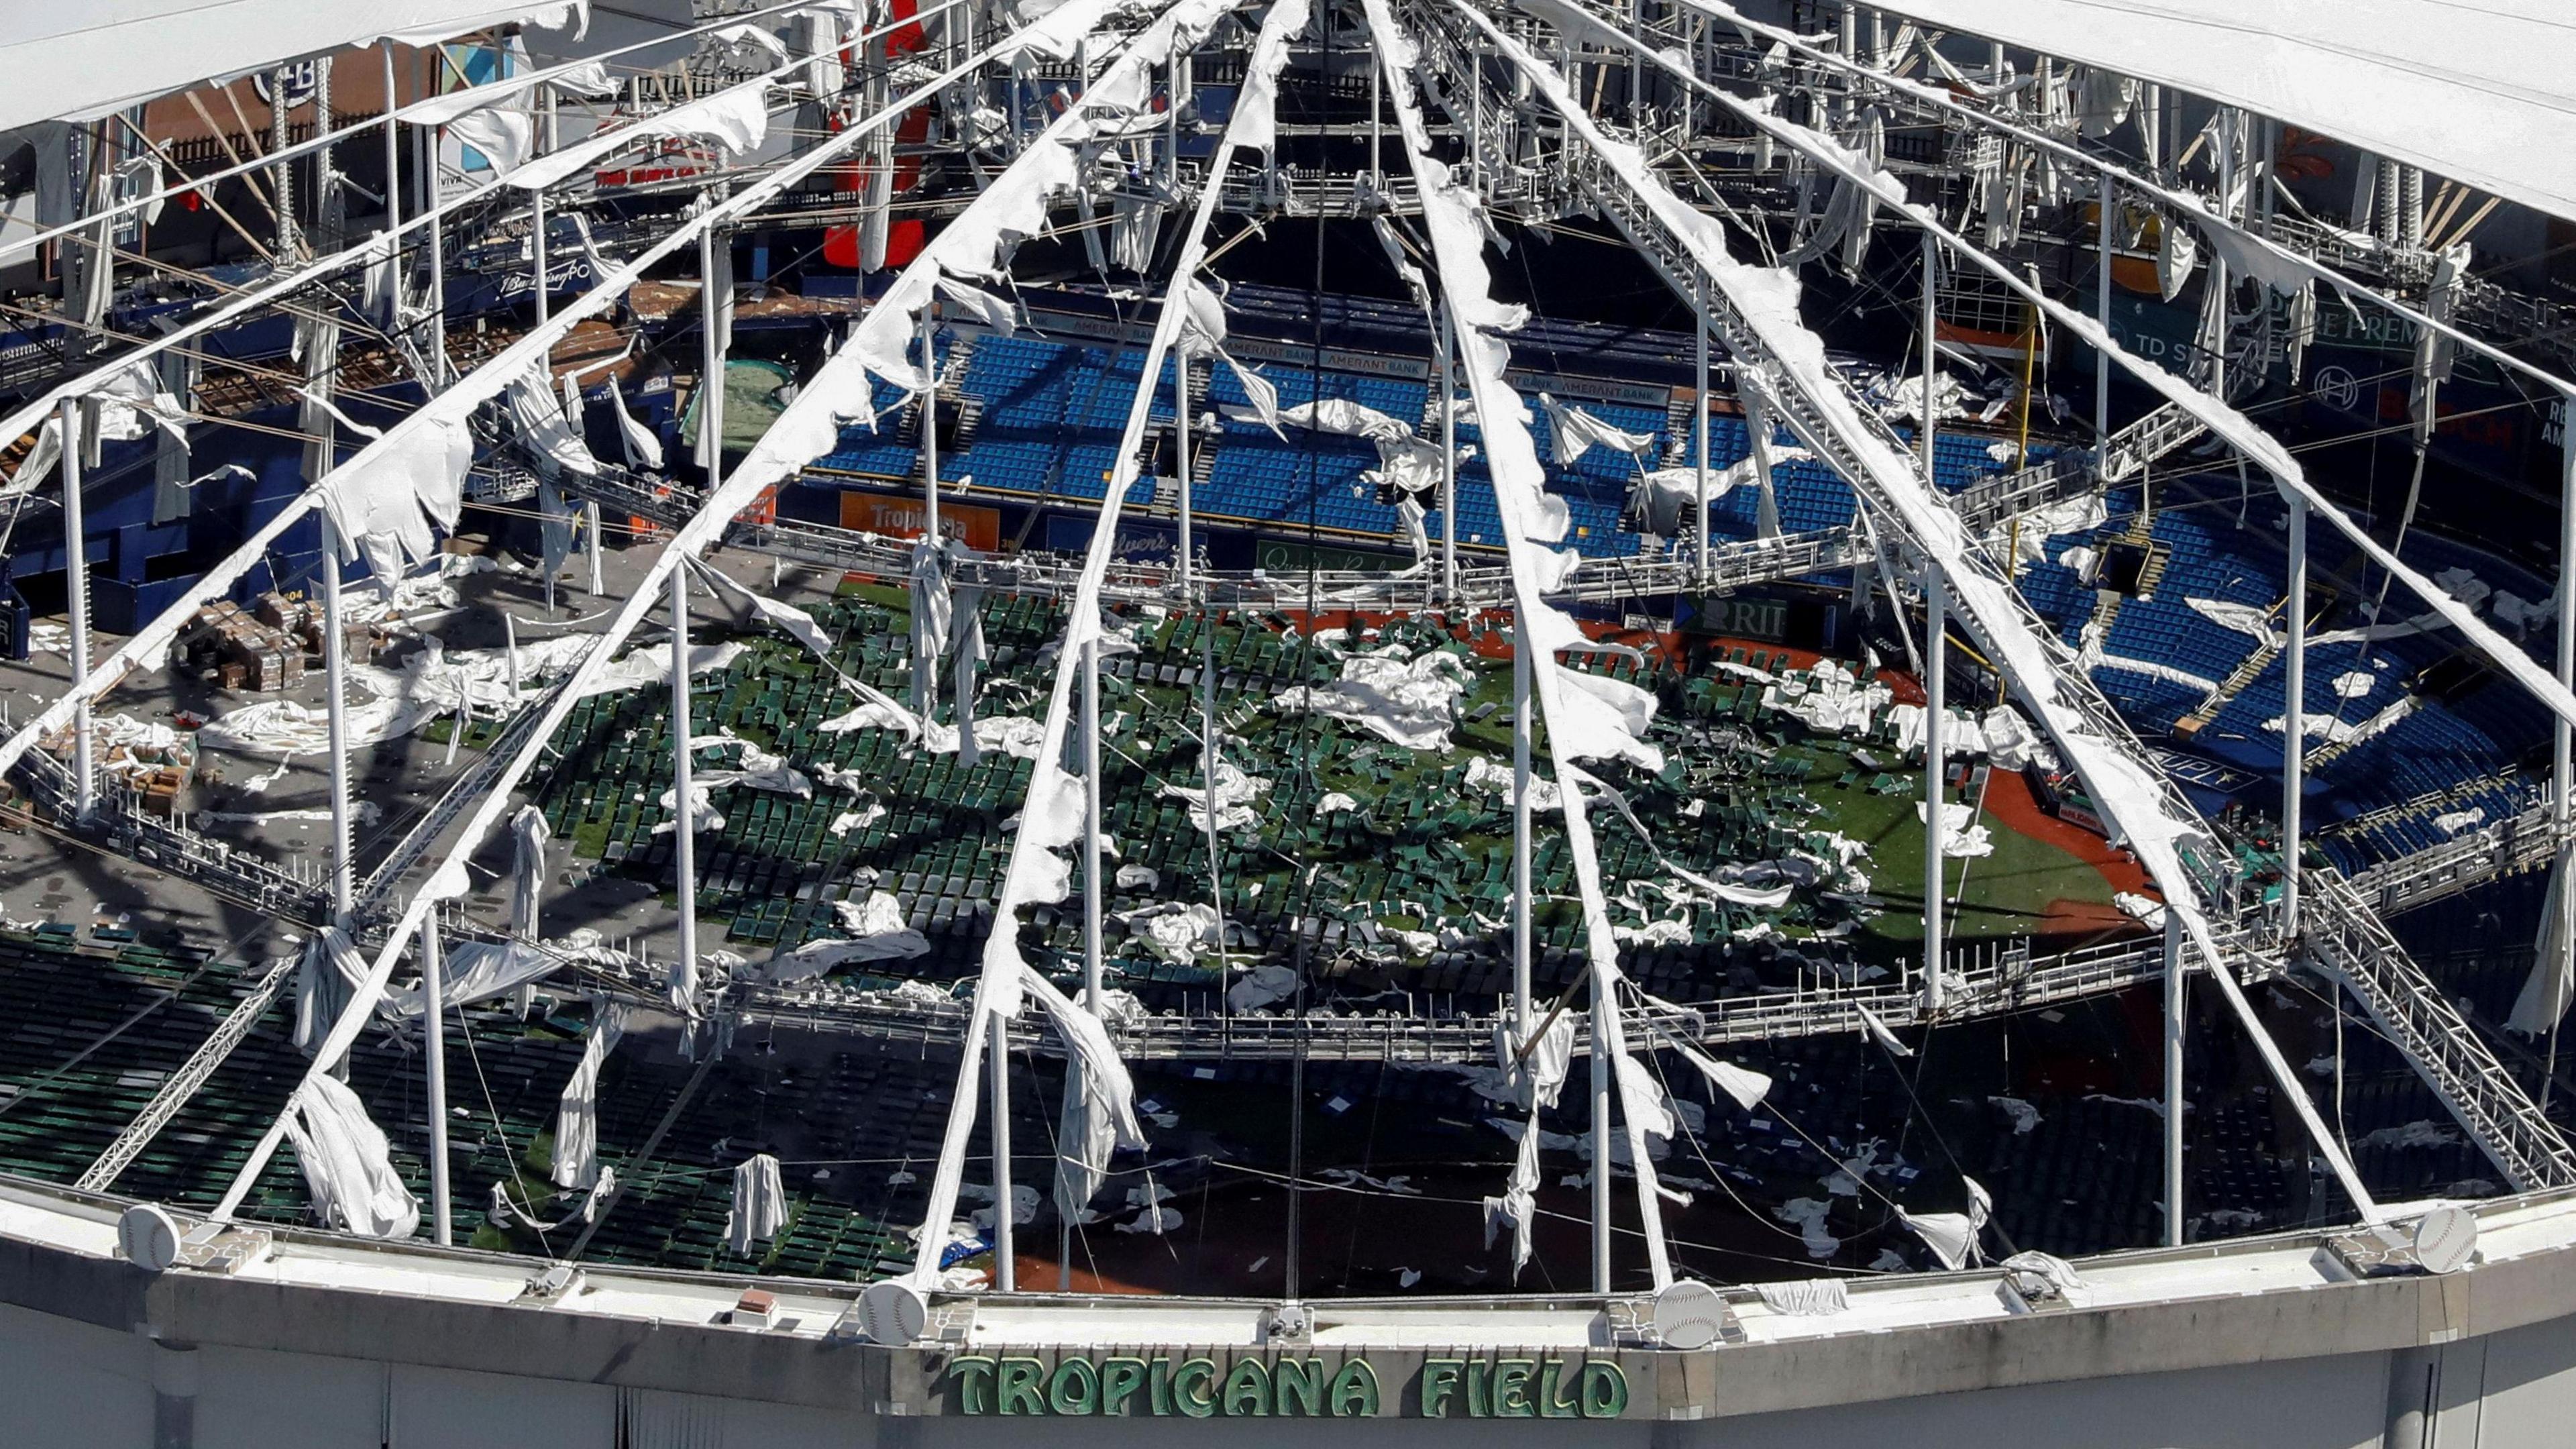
(1766, 326)
(2477, 92)
(2238, 431)
(1451, 216)
(805, 431)
(98, 59)
(1003, 971)
(417, 112)
(2182, 201)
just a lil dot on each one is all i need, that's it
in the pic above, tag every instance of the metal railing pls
(374, 896)
(119, 824)
(2343, 936)
(182, 1084)
(1980, 981)
(2519, 843)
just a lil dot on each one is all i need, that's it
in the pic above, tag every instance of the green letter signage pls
(1194, 1387)
(1075, 1388)
(1439, 1386)
(1354, 1393)
(1020, 1385)
(1120, 1378)
(1247, 1388)
(1079, 1385)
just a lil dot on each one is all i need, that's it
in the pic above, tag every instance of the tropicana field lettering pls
(1201, 1387)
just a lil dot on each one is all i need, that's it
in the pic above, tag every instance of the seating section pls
(1260, 477)
(1048, 419)
(1420, 849)
(2381, 784)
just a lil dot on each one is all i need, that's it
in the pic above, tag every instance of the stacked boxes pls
(238, 650)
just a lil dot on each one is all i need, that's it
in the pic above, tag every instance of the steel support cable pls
(2143, 806)
(1002, 967)
(2191, 205)
(490, 93)
(531, 350)
(1503, 421)
(318, 272)
(737, 493)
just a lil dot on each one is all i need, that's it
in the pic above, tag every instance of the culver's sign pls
(1203, 1387)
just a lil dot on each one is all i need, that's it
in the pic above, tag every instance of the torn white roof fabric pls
(736, 118)
(348, 1166)
(806, 430)
(78, 62)
(577, 1115)
(759, 1204)
(975, 244)
(1582, 721)
(2480, 93)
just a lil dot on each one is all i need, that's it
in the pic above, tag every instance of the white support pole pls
(1931, 351)
(1006, 1276)
(1377, 122)
(2294, 679)
(1181, 458)
(335, 675)
(1092, 892)
(1521, 911)
(537, 252)
(1700, 430)
(2174, 1004)
(1601, 1008)
(1850, 50)
(715, 312)
(684, 845)
(1936, 632)
(929, 428)
(510, 641)
(76, 580)
(1448, 458)
(1208, 756)
(437, 144)
(393, 153)
(433, 988)
(2562, 741)
(590, 546)
(2102, 315)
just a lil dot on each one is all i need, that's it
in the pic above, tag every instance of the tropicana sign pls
(1201, 1387)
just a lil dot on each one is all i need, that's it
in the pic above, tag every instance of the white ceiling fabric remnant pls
(2480, 93)
(2142, 809)
(736, 118)
(1952, 1237)
(348, 1166)
(79, 62)
(1409, 701)
(577, 1115)
(1746, 1086)
(803, 432)
(1518, 1206)
(1595, 718)
(1534, 1067)
(529, 837)
(974, 245)
(759, 1204)
(1576, 432)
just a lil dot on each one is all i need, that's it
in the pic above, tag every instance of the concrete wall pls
(73, 1385)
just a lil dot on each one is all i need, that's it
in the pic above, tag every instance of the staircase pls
(2247, 670)
(2349, 942)
(2131, 449)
